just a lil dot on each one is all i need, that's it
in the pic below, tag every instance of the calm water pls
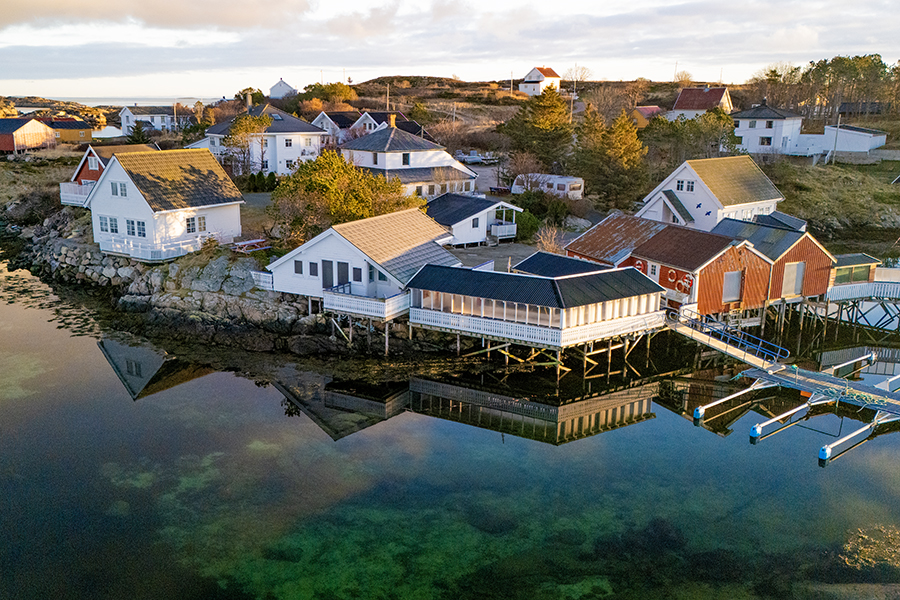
(211, 484)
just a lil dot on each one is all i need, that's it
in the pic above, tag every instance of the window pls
(265, 165)
(298, 267)
(113, 225)
(575, 187)
(80, 134)
(443, 188)
(738, 140)
(475, 223)
(765, 141)
(289, 164)
(674, 219)
(129, 226)
(431, 190)
(309, 141)
(201, 223)
(406, 158)
(549, 186)
(689, 186)
(212, 141)
(752, 124)
(653, 270)
(313, 269)
(357, 274)
(288, 142)
(133, 368)
(104, 225)
(737, 123)
(679, 185)
(468, 187)
(92, 163)
(374, 158)
(382, 276)
(123, 191)
(371, 273)
(731, 286)
(191, 225)
(141, 229)
(265, 143)
(57, 134)
(418, 190)
(560, 187)
(770, 124)
(114, 187)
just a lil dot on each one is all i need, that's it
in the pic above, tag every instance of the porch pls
(74, 194)
(339, 299)
(146, 251)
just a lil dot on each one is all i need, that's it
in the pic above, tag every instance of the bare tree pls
(550, 239)
(577, 75)
(526, 164)
(684, 79)
(608, 101)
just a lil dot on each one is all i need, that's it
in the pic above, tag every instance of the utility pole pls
(675, 75)
(574, 85)
(510, 83)
(387, 100)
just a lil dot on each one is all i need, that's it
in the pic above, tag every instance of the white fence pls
(74, 194)
(854, 291)
(381, 308)
(507, 230)
(263, 280)
(155, 252)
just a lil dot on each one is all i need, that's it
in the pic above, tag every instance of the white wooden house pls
(700, 193)
(162, 118)
(287, 142)
(693, 102)
(282, 89)
(154, 206)
(425, 168)
(75, 192)
(362, 267)
(474, 219)
(538, 79)
(765, 129)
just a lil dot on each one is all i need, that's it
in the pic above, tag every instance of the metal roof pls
(681, 247)
(780, 219)
(67, 124)
(771, 241)
(546, 264)
(450, 209)
(855, 260)
(12, 125)
(678, 206)
(390, 139)
(175, 179)
(735, 180)
(613, 239)
(703, 98)
(558, 292)
(422, 174)
(648, 112)
(856, 129)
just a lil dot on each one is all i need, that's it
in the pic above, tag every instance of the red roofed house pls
(611, 241)
(693, 102)
(539, 79)
(641, 115)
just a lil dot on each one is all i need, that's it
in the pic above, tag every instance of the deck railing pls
(157, 252)
(737, 339)
(503, 230)
(263, 280)
(340, 300)
(854, 291)
(74, 194)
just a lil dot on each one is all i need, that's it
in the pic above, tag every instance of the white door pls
(793, 279)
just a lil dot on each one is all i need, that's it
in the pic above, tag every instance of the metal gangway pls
(726, 339)
(820, 388)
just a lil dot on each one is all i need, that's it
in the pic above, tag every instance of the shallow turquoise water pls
(206, 489)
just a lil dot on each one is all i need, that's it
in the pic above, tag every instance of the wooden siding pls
(754, 280)
(668, 277)
(32, 134)
(817, 272)
(571, 254)
(86, 174)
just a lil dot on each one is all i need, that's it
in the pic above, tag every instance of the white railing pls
(381, 308)
(855, 291)
(74, 194)
(542, 336)
(887, 274)
(263, 280)
(154, 252)
(503, 230)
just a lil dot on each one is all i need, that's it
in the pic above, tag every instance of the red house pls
(611, 241)
(21, 134)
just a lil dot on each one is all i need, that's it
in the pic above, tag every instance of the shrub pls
(527, 226)
(271, 182)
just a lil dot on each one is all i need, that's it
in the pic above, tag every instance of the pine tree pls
(138, 134)
(542, 128)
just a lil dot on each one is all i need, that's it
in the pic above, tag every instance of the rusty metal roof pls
(612, 240)
(684, 248)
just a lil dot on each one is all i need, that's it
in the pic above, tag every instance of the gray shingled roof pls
(282, 122)
(66, 124)
(152, 110)
(678, 206)
(855, 260)
(764, 112)
(390, 139)
(770, 241)
(421, 174)
(450, 209)
(104, 153)
(175, 179)
(546, 264)
(558, 292)
(735, 180)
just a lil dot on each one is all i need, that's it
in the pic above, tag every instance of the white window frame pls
(93, 163)
(288, 142)
(689, 186)
(190, 225)
(679, 185)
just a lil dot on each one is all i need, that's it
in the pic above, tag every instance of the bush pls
(557, 211)
(527, 226)
(271, 182)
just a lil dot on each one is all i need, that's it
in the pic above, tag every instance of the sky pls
(213, 48)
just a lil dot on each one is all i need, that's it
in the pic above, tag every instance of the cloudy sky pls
(211, 48)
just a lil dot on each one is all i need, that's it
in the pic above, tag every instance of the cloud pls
(380, 23)
(128, 32)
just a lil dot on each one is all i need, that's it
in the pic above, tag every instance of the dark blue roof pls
(855, 260)
(782, 220)
(546, 264)
(450, 209)
(390, 139)
(557, 292)
(770, 241)
(13, 124)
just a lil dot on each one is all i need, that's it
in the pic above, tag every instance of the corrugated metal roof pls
(771, 241)
(612, 239)
(855, 260)
(387, 238)
(678, 206)
(681, 247)
(104, 153)
(780, 219)
(174, 179)
(703, 98)
(390, 139)
(12, 125)
(559, 292)
(67, 124)
(546, 264)
(422, 174)
(450, 209)
(735, 180)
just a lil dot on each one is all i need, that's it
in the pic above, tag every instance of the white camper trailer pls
(559, 185)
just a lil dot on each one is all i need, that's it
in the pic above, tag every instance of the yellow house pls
(641, 115)
(71, 132)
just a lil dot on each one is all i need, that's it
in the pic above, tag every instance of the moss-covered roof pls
(735, 180)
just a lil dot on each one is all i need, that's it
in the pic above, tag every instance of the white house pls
(765, 129)
(154, 206)
(287, 142)
(538, 79)
(700, 193)
(362, 267)
(474, 219)
(281, 89)
(852, 139)
(424, 168)
(342, 126)
(337, 124)
(163, 118)
(75, 192)
(693, 102)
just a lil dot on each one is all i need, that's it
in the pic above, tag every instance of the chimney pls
(392, 120)
(249, 102)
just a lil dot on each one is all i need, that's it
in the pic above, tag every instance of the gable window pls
(191, 225)
(679, 185)
(382, 276)
(357, 274)
(133, 367)
(765, 141)
(288, 142)
(123, 191)
(475, 223)
(114, 188)
(689, 186)
(104, 225)
(93, 163)
(313, 269)
(298, 267)
(374, 158)
(770, 124)
(752, 125)
(731, 286)
(406, 158)
(371, 273)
